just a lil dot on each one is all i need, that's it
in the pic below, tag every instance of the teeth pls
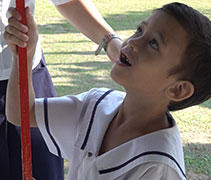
(127, 60)
(124, 59)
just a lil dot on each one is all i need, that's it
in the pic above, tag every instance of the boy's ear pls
(179, 91)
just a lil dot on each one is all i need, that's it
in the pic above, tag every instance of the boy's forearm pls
(13, 96)
(84, 16)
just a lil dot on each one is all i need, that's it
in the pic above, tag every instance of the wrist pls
(113, 49)
(105, 41)
(114, 43)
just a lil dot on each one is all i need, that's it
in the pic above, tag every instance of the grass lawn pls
(74, 68)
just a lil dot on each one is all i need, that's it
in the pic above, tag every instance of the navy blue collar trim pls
(47, 127)
(105, 171)
(92, 118)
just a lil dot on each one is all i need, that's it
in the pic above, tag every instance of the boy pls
(105, 134)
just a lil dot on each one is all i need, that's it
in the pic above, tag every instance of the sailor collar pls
(161, 146)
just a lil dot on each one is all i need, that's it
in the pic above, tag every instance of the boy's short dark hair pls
(196, 61)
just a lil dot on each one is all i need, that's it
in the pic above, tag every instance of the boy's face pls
(148, 56)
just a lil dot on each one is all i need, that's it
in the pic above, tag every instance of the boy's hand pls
(19, 34)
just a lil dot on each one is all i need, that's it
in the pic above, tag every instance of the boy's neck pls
(133, 120)
(141, 116)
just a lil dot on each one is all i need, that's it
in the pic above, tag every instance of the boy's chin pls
(114, 76)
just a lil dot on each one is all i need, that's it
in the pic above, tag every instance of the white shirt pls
(74, 126)
(6, 57)
(5, 54)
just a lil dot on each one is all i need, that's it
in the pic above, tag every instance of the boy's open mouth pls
(123, 59)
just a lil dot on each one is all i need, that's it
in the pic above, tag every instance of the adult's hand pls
(113, 49)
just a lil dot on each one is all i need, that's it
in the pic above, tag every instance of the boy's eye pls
(139, 30)
(154, 44)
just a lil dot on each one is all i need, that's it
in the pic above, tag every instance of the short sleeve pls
(58, 119)
(157, 171)
(59, 2)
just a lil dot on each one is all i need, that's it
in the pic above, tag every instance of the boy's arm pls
(14, 35)
(84, 16)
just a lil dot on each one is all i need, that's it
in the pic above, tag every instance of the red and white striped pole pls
(24, 102)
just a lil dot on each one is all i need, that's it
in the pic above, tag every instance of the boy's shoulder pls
(101, 91)
(105, 95)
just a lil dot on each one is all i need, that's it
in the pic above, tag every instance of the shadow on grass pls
(77, 70)
(74, 52)
(127, 21)
(83, 76)
(78, 41)
(101, 64)
(120, 22)
(83, 83)
(57, 28)
(197, 159)
(95, 64)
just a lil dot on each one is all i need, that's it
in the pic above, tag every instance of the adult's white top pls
(74, 126)
(6, 58)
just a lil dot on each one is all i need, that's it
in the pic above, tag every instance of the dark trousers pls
(46, 166)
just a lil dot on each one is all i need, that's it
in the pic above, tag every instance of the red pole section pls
(24, 102)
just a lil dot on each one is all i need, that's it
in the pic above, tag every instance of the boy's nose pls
(134, 43)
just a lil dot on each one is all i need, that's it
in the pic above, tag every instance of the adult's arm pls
(85, 17)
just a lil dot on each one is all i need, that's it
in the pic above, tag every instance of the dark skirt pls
(46, 166)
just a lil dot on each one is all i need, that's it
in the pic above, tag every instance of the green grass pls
(75, 69)
(201, 164)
